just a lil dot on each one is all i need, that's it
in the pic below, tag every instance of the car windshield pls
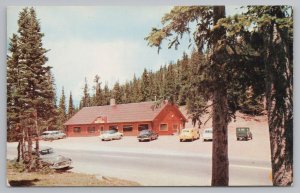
(46, 151)
(208, 131)
(186, 131)
(144, 132)
(243, 129)
(109, 132)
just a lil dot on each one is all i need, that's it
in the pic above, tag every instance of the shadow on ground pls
(18, 183)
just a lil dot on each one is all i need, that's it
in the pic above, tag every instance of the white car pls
(52, 135)
(207, 134)
(110, 135)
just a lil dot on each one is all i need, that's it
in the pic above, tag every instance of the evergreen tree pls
(145, 86)
(86, 99)
(136, 90)
(14, 106)
(62, 109)
(98, 97)
(32, 88)
(71, 109)
(175, 25)
(106, 95)
(184, 77)
(117, 93)
(49, 112)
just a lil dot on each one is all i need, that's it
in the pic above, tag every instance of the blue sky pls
(107, 40)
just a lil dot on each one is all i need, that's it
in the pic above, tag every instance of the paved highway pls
(161, 168)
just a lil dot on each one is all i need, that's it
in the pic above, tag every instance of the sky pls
(105, 40)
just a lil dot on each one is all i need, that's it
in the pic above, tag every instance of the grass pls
(17, 178)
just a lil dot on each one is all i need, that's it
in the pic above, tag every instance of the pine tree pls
(136, 90)
(48, 111)
(71, 109)
(86, 99)
(117, 93)
(98, 97)
(14, 107)
(175, 25)
(145, 86)
(106, 95)
(32, 87)
(62, 110)
(184, 78)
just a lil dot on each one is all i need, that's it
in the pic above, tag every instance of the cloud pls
(74, 60)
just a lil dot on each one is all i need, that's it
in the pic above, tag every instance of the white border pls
(5, 3)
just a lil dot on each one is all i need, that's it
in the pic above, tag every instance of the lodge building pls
(129, 119)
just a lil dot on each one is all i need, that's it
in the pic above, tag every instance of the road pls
(159, 168)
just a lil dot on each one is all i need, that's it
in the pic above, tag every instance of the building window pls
(143, 127)
(113, 127)
(163, 127)
(101, 128)
(91, 129)
(175, 127)
(127, 128)
(76, 129)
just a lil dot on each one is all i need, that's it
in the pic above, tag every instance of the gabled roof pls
(132, 112)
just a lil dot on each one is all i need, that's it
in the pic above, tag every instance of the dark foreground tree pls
(35, 94)
(276, 32)
(177, 23)
(272, 39)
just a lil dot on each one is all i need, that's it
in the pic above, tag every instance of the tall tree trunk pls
(220, 164)
(29, 139)
(37, 144)
(279, 93)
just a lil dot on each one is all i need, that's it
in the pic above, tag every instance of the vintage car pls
(52, 135)
(147, 135)
(207, 134)
(50, 158)
(243, 133)
(54, 160)
(189, 134)
(110, 135)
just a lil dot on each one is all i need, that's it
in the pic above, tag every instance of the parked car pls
(110, 135)
(243, 133)
(207, 134)
(147, 135)
(49, 157)
(52, 135)
(189, 134)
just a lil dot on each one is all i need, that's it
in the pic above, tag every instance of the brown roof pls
(132, 112)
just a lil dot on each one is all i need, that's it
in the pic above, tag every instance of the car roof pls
(54, 131)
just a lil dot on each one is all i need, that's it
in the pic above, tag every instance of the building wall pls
(169, 116)
(105, 127)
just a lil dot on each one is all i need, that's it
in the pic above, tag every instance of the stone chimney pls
(112, 102)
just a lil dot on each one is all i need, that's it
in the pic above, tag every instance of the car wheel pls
(140, 140)
(102, 139)
(180, 140)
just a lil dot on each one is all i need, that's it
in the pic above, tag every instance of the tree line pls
(174, 82)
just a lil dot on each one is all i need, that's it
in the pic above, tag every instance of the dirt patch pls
(23, 179)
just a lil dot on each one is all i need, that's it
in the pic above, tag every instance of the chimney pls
(112, 102)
